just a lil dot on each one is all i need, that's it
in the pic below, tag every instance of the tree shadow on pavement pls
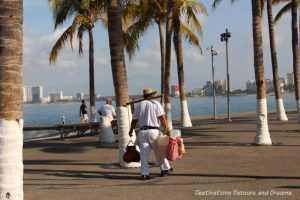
(239, 176)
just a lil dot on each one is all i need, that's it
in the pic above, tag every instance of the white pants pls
(147, 140)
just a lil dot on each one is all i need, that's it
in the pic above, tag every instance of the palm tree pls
(185, 9)
(147, 13)
(154, 12)
(11, 101)
(262, 130)
(116, 45)
(169, 31)
(296, 61)
(85, 13)
(281, 115)
(292, 6)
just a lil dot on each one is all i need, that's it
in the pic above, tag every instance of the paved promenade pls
(220, 163)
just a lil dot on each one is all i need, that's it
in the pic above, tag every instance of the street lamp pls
(213, 53)
(224, 37)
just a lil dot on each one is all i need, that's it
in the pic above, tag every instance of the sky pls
(70, 72)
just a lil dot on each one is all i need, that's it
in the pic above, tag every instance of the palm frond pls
(284, 10)
(80, 33)
(135, 32)
(276, 2)
(217, 2)
(190, 36)
(60, 44)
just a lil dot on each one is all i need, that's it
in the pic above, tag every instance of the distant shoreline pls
(137, 97)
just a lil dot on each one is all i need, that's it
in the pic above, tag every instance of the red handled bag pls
(173, 153)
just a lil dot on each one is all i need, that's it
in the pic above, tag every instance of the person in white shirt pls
(107, 115)
(149, 114)
(108, 110)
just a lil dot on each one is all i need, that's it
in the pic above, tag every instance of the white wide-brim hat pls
(148, 91)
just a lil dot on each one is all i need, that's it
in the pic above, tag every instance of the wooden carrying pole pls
(137, 101)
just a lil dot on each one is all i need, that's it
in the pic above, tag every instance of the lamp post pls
(224, 37)
(213, 53)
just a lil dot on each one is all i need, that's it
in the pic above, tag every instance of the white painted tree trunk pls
(106, 134)
(262, 129)
(185, 116)
(11, 165)
(93, 114)
(169, 115)
(298, 109)
(280, 111)
(124, 121)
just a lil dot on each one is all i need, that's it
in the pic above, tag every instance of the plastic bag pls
(181, 148)
(175, 133)
(173, 153)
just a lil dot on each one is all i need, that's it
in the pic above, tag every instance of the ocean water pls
(41, 114)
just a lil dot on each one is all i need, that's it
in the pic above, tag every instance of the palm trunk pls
(118, 67)
(169, 30)
(296, 64)
(281, 116)
(262, 130)
(185, 117)
(11, 101)
(92, 79)
(162, 56)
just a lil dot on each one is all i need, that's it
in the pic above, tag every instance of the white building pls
(197, 92)
(24, 94)
(45, 100)
(68, 98)
(29, 94)
(56, 96)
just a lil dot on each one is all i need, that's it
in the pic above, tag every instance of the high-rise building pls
(208, 88)
(29, 93)
(269, 85)
(24, 94)
(37, 93)
(79, 96)
(56, 96)
(175, 90)
(251, 85)
(290, 79)
(221, 86)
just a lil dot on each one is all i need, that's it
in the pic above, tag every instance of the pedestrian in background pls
(83, 112)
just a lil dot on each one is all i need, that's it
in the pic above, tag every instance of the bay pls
(41, 114)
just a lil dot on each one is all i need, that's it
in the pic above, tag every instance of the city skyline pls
(70, 72)
(221, 86)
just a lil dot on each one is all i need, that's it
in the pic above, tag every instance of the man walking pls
(83, 112)
(149, 114)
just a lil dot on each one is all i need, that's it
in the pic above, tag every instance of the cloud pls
(140, 65)
(193, 55)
